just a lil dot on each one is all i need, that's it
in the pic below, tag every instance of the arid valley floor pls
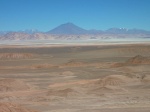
(77, 78)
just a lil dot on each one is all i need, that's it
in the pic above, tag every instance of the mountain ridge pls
(67, 28)
(71, 31)
(70, 28)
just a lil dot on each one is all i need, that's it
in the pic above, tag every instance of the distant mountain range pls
(69, 29)
(72, 31)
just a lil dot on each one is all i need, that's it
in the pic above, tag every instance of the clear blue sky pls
(90, 14)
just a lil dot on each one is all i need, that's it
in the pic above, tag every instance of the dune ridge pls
(16, 55)
(136, 60)
(7, 85)
(11, 107)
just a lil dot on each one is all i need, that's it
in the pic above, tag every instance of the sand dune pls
(112, 80)
(119, 80)
(16, 55)
(7, 85)
(100, 91)
(112, 84)
(76, 63)
(42, 66)
(34, 66)
(109, 84)
(67, 73)
(73, 63)
(137, 60)
(146, 79)
(62, 92)
(10, 107)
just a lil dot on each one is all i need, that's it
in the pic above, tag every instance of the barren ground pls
(75, 78)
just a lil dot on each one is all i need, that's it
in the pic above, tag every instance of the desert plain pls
(75, 78)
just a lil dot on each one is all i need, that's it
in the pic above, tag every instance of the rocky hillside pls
(137, 60)
(10, 107)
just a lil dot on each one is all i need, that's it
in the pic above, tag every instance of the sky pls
(45, 15)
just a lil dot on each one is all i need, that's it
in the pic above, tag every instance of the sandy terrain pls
(91, 78)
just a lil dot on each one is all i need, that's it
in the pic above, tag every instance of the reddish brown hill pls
(139, 60)
(10, 107)
(62, 93)
(134, 61)
(7, 85)
(16, 55)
